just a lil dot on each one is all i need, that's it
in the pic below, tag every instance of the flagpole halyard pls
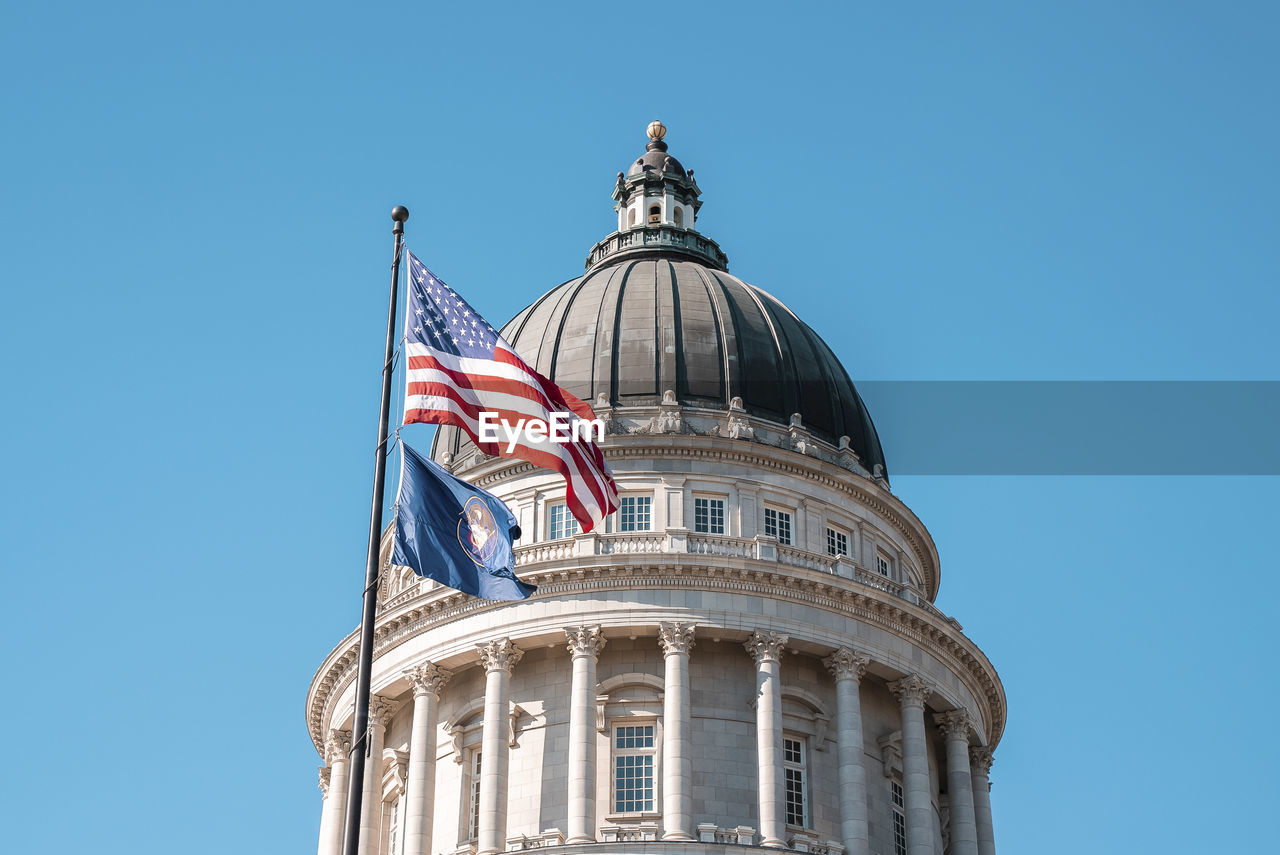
(360, 729)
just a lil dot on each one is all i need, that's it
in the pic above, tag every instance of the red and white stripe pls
(442, 388)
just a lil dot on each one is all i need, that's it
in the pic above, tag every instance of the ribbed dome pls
(642, 325)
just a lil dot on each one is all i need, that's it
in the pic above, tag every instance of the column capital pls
(337, 746)
(381, 710)
(954, 724)
(846, 664)
(766, 646)
(427, 679)
(499, 655)
(911, 691)
(675, 637)
(980, 759)
(324, 779)
(585, 640)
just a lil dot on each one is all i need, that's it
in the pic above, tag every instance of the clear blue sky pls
(195, 241)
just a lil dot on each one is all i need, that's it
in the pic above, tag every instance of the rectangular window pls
(634, 513)
(561, 523)
(708, 516)
(778, 524)
(899, 819)
(473, 818)
(793, 768)
(837, 542)
(883, 564)
(633, 768)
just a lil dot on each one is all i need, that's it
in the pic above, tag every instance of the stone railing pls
(743, 835)
(629, 832)
(803, 842)
(630, 543)
(763, 549)
(804, 558)
(716, 544)
(659, 237)
(549, 837)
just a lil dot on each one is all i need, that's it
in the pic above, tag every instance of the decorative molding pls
(980, 759)
(766, 646)
(499, 655)
(337, 746)
(676, 638)
(585, 640)
(891, 753)
(427, 679)
(911, 691)
(846, 664)
(456, 734)
(381, 710)
(324, 780)
(513, 717)
(954, 724)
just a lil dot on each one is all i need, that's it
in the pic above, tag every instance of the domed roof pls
(657, 310)
(636, 328)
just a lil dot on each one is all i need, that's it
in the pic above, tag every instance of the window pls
(633, 768)
(778, 524)
(393, 835)
(473, 802)
(837, 542)
(634, 513)
(708, 516)
(793, 768)
(561, 523)
(883, 564)
(631, 221)
(899, 819)
(655, 215)
(679, 217)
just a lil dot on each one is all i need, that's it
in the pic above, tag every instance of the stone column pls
(585, 644)
(912, 691)
(964, 833)
(427, 680)
(326, 807)
(677, 766)
(380, 712)
(498, 658)
(337, 748)
(766, 647)
(848, 667)
(980, 768)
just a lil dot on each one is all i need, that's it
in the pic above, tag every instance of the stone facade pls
(709, 679)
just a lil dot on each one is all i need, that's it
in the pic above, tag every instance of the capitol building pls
(745, 655)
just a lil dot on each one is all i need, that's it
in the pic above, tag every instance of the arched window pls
(680, 217)
(655, 215)
(632, 220)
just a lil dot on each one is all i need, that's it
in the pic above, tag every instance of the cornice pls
(925, 629)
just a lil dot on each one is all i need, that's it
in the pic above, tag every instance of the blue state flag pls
(454, 533)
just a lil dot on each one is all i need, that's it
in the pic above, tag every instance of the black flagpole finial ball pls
(399, 213)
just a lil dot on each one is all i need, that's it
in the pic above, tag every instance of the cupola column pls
(380, 712)
(677, 766)
(980, 770)
(766, 648)
(498, 658)
(912, 692)
(585, 644)
(955, 727)
(427, 680)
(332, 820)
(848, 667)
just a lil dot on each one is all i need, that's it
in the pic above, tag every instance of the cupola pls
(656, 190)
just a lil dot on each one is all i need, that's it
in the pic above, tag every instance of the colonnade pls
(968, 786)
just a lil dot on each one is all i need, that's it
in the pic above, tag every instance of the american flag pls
(458, 367)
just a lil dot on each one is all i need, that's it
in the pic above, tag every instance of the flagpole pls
(360, 730)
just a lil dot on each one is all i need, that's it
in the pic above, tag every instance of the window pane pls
(634, 513)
